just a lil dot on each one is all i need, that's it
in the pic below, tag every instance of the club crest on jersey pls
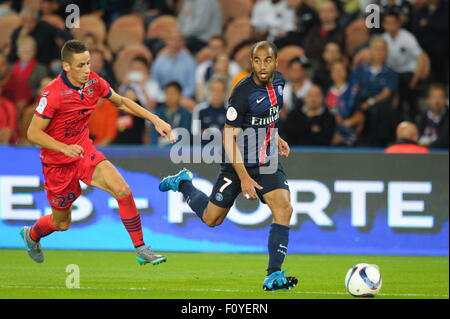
(90, 92)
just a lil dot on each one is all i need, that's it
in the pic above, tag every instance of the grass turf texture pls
(115, 274)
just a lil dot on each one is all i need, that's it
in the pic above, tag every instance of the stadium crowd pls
(352, 76)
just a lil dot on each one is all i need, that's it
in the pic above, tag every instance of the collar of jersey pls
(68, 83)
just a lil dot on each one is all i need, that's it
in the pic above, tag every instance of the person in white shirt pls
(138, 78)
(297, 84)
(406, 57)
(273, 18)
(216, 46)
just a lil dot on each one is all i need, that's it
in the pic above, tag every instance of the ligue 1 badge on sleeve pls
(280, 90)
(231, 113)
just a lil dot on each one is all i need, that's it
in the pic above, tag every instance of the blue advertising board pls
(344, 203)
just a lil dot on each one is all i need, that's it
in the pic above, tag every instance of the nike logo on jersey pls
(260, 100)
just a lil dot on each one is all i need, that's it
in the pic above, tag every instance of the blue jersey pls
(256, 110)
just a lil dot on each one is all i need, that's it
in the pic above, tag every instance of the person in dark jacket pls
(311, 124)
(433, 123)
(46, 36)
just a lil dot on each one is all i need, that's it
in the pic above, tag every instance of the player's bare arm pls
(36, 135)
(283, 147)
(248, 184)
(131, 107)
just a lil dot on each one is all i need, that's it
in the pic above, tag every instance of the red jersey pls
(69, 108)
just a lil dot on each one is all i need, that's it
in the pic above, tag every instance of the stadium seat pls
(55, 20)
(124, 57)
(356, 34)
(235, 8)
(90, 24)
(286, 54)
(124, 31)
(7, 25)
(160, 26)
(238, 30)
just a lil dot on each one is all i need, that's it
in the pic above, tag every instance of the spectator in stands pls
(311, 124)
(176, 65)
(220, 68)
(5, 74)
(340, 102)
(130, 129)
(328, 30)
(404, 9)
(211, 114)
(102, 67)
(297, 84)
(333, 52)
(376, 84)
(433, 124)
(28, 112)
(154, 8)
(406, 57)
(26, 74)
(272, 19)
(94, 44)
(199, 20)
(104, 122)
(138, 78)
(216, 46)
(305, 18)
(8, 120)
(406, 142)
(48, 38)
(173, 113)
(431, 29)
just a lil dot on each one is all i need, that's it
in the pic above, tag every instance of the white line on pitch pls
(218, 290)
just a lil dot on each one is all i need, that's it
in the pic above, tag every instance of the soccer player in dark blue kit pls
(251, 168)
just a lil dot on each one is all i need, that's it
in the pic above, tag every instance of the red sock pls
(131, 219)
(43, 227)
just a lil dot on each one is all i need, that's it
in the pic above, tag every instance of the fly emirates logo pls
(274, 114)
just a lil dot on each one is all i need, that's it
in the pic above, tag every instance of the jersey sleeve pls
(104, 88)
(237, 107)
(48, 104)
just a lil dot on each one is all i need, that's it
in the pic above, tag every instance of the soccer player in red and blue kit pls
(60, 128)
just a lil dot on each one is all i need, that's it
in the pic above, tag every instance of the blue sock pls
(278, 243)
(197, 200)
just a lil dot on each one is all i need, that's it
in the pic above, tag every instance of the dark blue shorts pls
(228, 184)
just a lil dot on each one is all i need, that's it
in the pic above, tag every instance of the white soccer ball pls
(363, 280)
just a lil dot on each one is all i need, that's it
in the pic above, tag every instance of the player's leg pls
(106, 177)
(211, 210)
(62, 188)
(278, 201)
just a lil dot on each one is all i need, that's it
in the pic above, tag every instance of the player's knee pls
(122, 192)
(63, 225)
(212, 222)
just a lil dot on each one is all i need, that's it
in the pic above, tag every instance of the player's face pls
(264, 64)
(79, 68)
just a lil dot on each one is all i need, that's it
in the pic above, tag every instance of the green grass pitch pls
(116, 274)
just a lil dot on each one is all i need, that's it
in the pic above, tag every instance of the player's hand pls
(165, 130)
(248, 186)
(283, 147)
(73, 151)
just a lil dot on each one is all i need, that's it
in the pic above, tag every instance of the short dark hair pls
(265, 44)
(141, 59)
(70, 48)
(174, 84)
(392, 13)
(437, 86)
